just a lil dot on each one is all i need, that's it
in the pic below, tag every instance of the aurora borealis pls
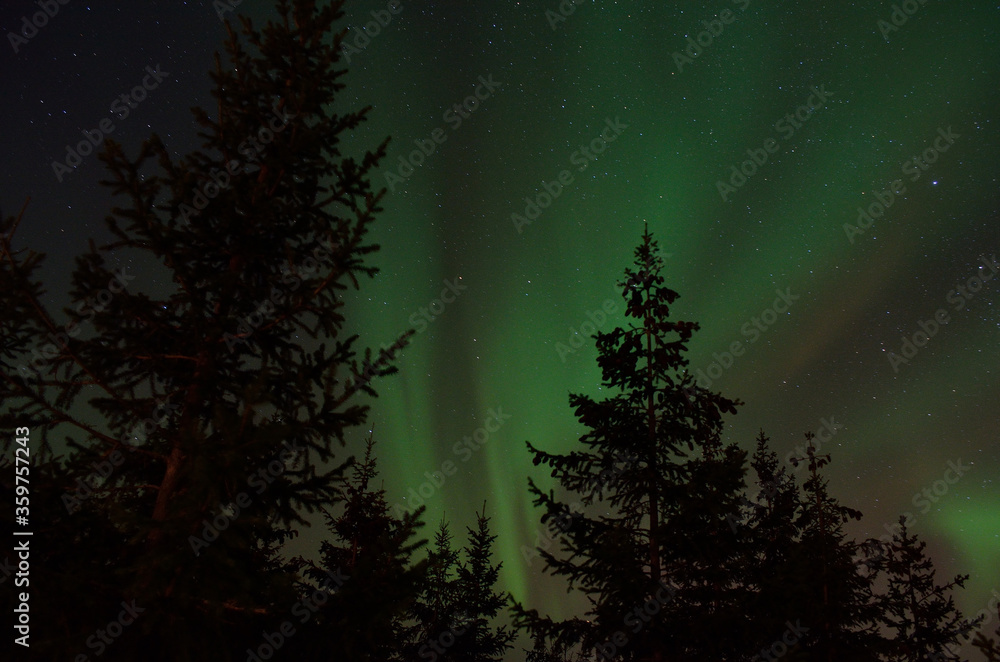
(822, 180)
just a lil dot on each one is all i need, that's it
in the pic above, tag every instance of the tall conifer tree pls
(919, 613)
(454, 619)
(648, 538)
(481, 603)
(228, 271)
(368, 574)
(825, 588)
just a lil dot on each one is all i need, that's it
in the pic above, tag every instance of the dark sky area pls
(823, 181)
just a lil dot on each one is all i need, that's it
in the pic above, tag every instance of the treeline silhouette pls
(182, 435)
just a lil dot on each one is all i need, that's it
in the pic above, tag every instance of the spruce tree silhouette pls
(647, 539)
(368, 574)
(240, 359)
(676, 560)
(919, 613)
(453, 618)
(825, 588)
(480, 603)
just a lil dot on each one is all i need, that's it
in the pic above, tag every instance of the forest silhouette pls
(179, 441)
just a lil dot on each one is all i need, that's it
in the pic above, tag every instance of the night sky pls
(609, 115)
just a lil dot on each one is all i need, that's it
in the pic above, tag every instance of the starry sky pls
(822, 181)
